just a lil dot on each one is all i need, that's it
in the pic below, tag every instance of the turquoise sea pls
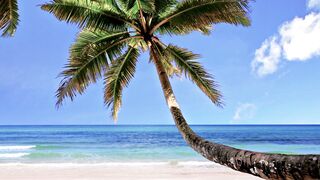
(142, 143)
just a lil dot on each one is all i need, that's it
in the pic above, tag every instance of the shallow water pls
(105, 144)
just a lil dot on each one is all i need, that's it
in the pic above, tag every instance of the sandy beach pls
(119, 171)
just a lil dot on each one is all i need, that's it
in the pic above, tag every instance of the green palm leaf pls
(86, 68)
(89, 14)
(9, 17)
(163, 6)
(186, 62)
(118, 77)
(145, 5)
(166, 59)
(89, 40)
(192, 15)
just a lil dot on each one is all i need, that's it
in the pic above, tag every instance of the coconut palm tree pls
(114, 33)
(9, 17)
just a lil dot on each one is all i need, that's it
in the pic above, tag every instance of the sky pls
(268, 72)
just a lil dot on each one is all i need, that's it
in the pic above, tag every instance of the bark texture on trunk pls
(264, 165)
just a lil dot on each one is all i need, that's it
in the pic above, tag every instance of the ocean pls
(145, 143)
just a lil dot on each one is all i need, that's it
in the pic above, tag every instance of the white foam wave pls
(13, 155)
(10, 148)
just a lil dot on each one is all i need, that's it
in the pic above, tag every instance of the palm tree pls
(9, 17)
(114, 32)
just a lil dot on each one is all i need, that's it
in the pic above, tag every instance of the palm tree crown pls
(114, 32)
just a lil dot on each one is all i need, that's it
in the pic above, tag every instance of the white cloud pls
(244, 111)
(313, 4)
(297, 40)
(267, 57)
(300, 38)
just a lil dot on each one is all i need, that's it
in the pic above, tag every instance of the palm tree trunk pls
(267, 166)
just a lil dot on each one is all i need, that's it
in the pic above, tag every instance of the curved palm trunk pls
(267, 166)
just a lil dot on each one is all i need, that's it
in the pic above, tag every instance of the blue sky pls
(268, 73)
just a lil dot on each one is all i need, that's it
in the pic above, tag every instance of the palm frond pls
(162, 9)
(86, 68)
(111, 5)
(166, 59)
(145, 5)
(163, 6)
(89, 40)
(78, 75)
(9, 17)
(118, 77)
(191, 15)
(186, 62)
(88, 14)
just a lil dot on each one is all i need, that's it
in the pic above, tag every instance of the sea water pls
(144, 143)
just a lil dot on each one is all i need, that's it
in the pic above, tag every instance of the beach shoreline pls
(122, 171)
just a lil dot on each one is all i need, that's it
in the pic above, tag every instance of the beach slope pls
(121, 171)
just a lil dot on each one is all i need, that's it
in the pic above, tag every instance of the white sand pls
(114, 171)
